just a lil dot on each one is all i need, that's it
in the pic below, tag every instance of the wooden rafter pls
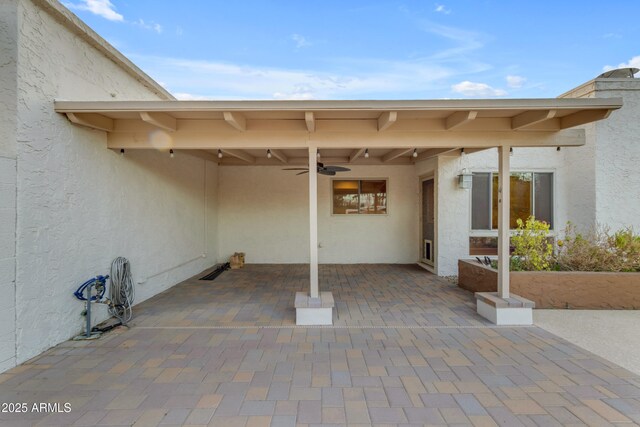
(394, 154)
(92, 120)
(160, 120)
(459, 118)
(387, 119)
(235, 120)
(529, 118)
(310, 121)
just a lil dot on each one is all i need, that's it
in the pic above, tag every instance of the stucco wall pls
(8, 125)
(264, 212)
(618, 156)
(80, 205)
(454, 204)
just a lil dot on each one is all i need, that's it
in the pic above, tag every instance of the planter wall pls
(558, 289)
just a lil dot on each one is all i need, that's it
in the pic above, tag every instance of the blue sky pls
(258, 49)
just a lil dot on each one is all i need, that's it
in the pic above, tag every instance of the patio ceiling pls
(341, 130)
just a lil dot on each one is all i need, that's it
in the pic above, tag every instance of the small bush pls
(532, 250)
(599, 250)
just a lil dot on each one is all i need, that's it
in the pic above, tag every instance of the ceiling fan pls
(321, 168)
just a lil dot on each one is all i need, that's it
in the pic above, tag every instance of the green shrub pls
(532, 250)
(599, 250)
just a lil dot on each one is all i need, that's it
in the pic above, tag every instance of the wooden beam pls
(209, 136)
(239, 154)
(394, 154)
(529, 118)
(386, 119)
(280, 156)
(475, 150)
(434, 152)
(160, 120)
(202, 154)
(310, 120)
(582, 117)
(235, 120)
(355, 154)
(459, 118)
(92, 120)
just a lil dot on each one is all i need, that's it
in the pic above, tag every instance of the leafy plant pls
(599, 250)
(532, 250)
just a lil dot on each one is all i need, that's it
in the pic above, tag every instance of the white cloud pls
(440, 8)
(149, 25)
(300, 41)
(199, 79)
(473, 89)
(515, 81)
(103, 8)
(633, 63)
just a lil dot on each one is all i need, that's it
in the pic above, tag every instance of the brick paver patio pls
(407, 348)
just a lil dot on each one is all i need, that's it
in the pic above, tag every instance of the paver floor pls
(195, 356)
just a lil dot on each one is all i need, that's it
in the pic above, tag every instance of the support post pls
(313, 224)
(504, 203)
(314, 308)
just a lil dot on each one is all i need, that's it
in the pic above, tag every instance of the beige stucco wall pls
(454, 204)
(79, 204)
(264, 212)
(603, 173)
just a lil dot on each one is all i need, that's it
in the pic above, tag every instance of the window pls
(359, 197)
(531, 194)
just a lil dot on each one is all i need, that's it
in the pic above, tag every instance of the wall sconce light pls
(318, 154)
(465, 180)
(268, 154)
(122, 152)
(219, 154)
(171, 153)
(366, 153)
(415, 153)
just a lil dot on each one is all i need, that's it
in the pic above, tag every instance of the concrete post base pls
(514, 310)
(314, 311)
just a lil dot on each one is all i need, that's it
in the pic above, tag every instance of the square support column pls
(313, 224)
(504, 204)
(501, 307)
(315, 308)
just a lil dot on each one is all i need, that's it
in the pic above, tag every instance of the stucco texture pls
(264, 212)
(8, 129)
(80, 205)
(551, 289)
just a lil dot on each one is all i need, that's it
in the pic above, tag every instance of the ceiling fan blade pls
(326, 172)
(301, 173)
(295, 169)
(337, 168)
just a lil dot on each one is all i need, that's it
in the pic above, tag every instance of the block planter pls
(558, 289)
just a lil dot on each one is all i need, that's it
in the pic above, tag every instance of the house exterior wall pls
(264, 212)
(604, 185)
(618, 156)
(8, 128)
(454, 204)
(80, 205)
